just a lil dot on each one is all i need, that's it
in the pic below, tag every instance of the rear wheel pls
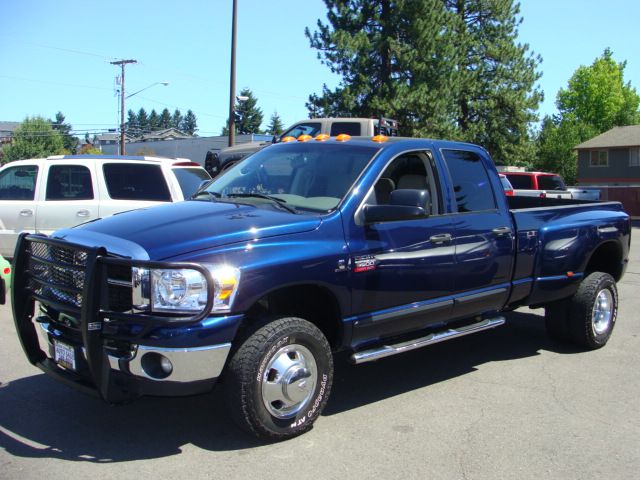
(588, 317)
(279, 379)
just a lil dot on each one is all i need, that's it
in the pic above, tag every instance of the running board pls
(437, 337)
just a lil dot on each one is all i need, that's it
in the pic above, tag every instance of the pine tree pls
(131, 127)
(70, 141)
(143, 121)
(154, 120)
(165, 119)
(275, 126)
(249, 116)
(445, 68)
(177, 119)
(190, 123)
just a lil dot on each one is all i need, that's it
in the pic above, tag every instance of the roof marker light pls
(288, 139)
(322, 137)
(304, 138)
(343, 137)
(380, 138)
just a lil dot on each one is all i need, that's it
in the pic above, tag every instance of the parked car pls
(538, 184)
(5, 278)
(45, 194)
(585, 193)
(373, 247)
(506, 184)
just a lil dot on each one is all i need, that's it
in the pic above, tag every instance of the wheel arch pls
(607, 258)
(315, 303)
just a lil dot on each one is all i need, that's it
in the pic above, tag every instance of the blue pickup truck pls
(374, 246)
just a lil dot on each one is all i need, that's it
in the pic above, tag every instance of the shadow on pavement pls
(41, 418)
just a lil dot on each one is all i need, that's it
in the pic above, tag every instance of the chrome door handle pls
(83, 213)
(502, 231)
(26, 213)
(441, 238)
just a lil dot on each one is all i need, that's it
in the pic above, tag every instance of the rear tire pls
(594, 311)
(588, 317)
(279, 379)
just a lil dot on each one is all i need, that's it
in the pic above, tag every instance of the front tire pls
(279, 379)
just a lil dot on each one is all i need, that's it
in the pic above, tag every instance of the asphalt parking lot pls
(503, 404)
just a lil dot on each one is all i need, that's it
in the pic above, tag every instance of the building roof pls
(628, 136)
(166, 134)
(8, 127)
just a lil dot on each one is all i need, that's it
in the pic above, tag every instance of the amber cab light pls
(304, 138)
(380, 138)
(343, 137)
(288, 139)
(322, 137)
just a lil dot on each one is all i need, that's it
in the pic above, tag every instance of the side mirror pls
(403, 204)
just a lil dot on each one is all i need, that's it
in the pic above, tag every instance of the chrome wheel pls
(289, 380)
(602, 313)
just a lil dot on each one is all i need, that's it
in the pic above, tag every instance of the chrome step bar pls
(437, 337)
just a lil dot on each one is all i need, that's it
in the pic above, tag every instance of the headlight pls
(178, 290)
(183, 290)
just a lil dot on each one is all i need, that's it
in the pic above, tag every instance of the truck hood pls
(179, 228)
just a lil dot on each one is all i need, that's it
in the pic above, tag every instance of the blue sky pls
(54, 56)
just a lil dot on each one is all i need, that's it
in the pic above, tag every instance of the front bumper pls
(113, 354)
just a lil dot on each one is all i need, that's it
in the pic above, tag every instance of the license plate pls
(64, 355)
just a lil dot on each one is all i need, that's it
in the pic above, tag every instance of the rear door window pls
(18, 183)
(136, 181)
(521, 182)
(190, 179)
(69, 182)
(470, 179)
(551, 182)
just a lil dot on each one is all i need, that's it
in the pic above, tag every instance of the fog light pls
(156, 366)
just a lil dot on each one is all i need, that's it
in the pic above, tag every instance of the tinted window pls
(350, 128)
(190, 179)
(69, 182)
(551, 182)
(18, 183)
(470, 181)
(522, 182)
(130, 181)
(311, 128)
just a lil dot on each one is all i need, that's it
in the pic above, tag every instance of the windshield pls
(190, 179)
(308, 176)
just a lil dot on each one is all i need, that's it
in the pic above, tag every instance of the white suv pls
(45, 194)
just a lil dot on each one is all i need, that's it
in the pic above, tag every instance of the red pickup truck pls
(538, 184)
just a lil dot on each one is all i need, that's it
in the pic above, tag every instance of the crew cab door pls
(402, 272)
(484, 236)
(18, 189)
(69, 196)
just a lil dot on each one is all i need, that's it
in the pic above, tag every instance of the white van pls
(45, 194)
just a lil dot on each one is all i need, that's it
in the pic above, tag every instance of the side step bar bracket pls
(382, 351)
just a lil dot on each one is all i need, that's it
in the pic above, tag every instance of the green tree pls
(249, 115)
(131, 127)
(444, 68)
(275, 126)
(154, 120)
(34, 138)
(177, 119)
(596, 99)
(597, 95)
(142, 121)
(165, 119)
(190, 123)
(70, 142)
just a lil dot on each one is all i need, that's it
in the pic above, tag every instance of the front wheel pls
(279, 379)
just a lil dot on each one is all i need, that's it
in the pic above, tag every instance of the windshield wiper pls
(277, 201)
(212, 195)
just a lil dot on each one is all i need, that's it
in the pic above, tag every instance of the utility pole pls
(122, 63)
(232, 81)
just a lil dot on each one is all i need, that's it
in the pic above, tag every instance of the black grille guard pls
(93, 313)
